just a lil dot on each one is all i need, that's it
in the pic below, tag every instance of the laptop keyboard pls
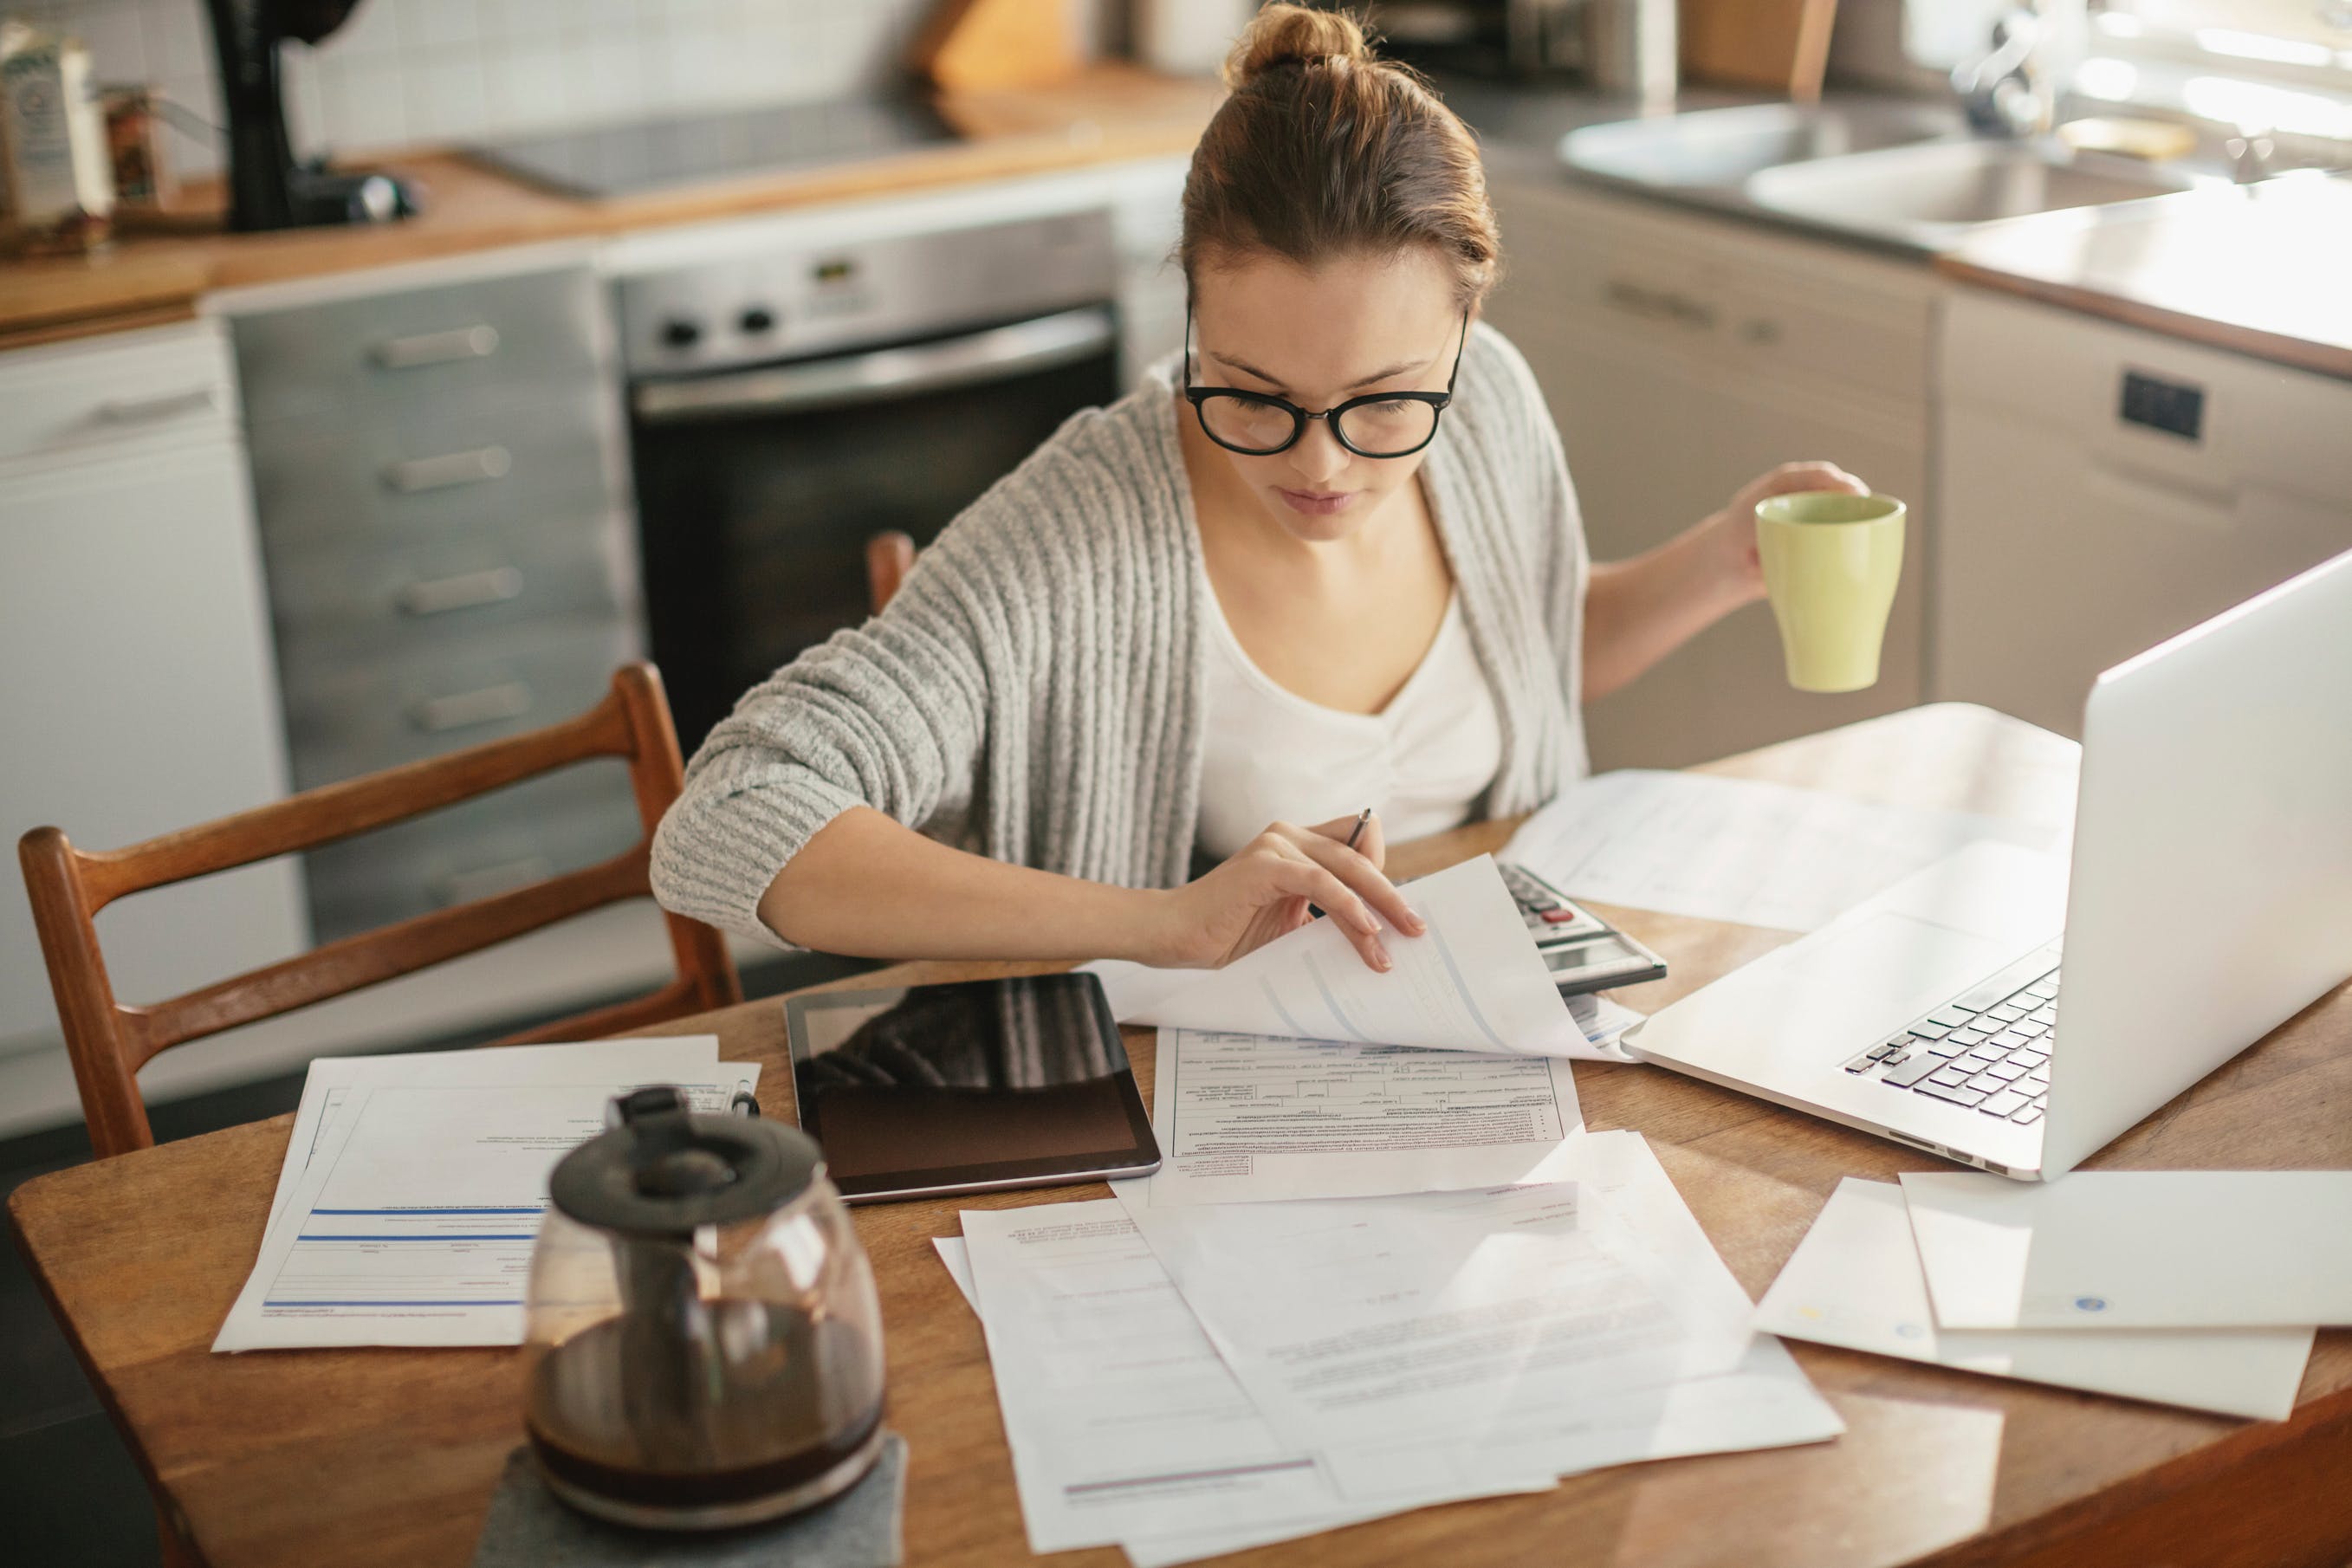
(1989, 1048)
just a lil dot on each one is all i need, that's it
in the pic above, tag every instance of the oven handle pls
(1036, 344)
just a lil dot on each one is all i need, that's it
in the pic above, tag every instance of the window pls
(2266, 66)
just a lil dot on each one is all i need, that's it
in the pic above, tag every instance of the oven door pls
(758, 489)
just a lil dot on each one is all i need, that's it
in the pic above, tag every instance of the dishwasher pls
(2103, 488)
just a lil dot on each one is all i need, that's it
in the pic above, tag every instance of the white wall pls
(401, 72)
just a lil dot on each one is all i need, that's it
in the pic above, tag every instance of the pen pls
(1315, 910)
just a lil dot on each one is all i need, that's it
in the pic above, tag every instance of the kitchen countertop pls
(1108, 113)
(2258, 269)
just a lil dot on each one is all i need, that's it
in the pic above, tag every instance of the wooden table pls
(355, 1457)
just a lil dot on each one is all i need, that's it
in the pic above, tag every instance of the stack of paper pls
(1475, 982)
(2198, 1288)
(414, 1186)
(1290, 1367)
(1738, 850)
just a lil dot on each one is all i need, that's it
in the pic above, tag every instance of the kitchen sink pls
(1719, 148)
(1930, 194)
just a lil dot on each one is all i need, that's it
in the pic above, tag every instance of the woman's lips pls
(1315, 503)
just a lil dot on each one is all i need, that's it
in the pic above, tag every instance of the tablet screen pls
(982, 1083)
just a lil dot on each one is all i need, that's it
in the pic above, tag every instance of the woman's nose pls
(1319, 458)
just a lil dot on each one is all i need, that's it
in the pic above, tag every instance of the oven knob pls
(681, 331)
(757, 318)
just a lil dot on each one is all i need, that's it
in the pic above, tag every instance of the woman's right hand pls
(1263, 892)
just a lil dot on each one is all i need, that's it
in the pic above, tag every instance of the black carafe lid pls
(666, 1171)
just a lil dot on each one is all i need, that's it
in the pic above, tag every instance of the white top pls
(1270, 755)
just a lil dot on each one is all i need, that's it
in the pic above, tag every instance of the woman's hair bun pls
(1283, 35)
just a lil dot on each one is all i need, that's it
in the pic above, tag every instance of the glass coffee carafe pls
(704, 1346)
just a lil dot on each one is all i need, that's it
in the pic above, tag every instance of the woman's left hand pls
(1733, 529)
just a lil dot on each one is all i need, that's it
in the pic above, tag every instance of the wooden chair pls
(110, 1042)
(889, 558)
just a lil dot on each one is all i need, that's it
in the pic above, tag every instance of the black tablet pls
(953, 1088)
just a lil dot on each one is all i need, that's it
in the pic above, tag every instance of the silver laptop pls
(2210, 901)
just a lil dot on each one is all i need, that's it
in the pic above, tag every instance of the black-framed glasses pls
(1378, 424)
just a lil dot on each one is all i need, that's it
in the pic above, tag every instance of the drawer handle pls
(482, 882)
(1659, 304)
(440, 595)
(150, 410)
(463, 709)
(480, 341)
(448, 470)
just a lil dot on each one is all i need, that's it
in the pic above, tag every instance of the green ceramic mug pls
(1830, 564)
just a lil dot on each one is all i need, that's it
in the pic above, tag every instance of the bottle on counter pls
(53, 148)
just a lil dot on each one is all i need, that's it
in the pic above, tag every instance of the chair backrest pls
(110, 1041)
(889, 558)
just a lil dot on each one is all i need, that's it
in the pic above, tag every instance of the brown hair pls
(1324, 149)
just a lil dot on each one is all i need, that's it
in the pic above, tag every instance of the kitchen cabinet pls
(1681, 355)
(142, 694)
(2103, 488)
(438, 475)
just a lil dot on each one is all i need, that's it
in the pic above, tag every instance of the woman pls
(1329, 559)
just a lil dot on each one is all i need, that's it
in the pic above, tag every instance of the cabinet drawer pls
(333, 610)
(1717, 291)
(539, 828)
(111, 396)
(335, 485)
(344, 720)
(471, 342)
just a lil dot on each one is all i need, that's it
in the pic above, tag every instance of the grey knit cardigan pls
(1035, 691)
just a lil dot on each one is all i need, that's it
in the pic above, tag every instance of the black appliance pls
(787, 405)
(267, 187)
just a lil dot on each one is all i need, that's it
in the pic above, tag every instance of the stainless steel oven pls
(784, 409)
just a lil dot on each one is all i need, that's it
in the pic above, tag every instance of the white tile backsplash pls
(404, 72)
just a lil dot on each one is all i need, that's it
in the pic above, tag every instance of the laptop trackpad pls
(1817, 1001)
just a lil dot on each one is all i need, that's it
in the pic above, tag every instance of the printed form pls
(1764, 1400)
(619, 1064)
(1392, 1337)
(1252, 1118)
(1473, 983)
(415, 1222)
(1125, 1425)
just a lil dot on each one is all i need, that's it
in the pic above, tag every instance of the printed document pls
(414, 1223)
(1738, 850)
(1252, 1118)
(1164, 1551)
(1600, 1022)
(1855, 1281)
(2136, 1249)
(1391, 1337)
(1473, 983)
(1124, 1423)
(620, 1064)
(1764, 1401)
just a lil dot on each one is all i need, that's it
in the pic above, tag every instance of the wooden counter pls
(2257, 269)
(1111, 113)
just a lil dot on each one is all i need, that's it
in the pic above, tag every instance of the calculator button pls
(1555, 915)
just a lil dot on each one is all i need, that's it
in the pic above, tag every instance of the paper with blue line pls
(413, 1220)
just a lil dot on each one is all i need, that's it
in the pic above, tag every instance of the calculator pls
(1583, 952)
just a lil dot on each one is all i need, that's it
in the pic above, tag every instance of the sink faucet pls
(2251, 155)
(2003, 93)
